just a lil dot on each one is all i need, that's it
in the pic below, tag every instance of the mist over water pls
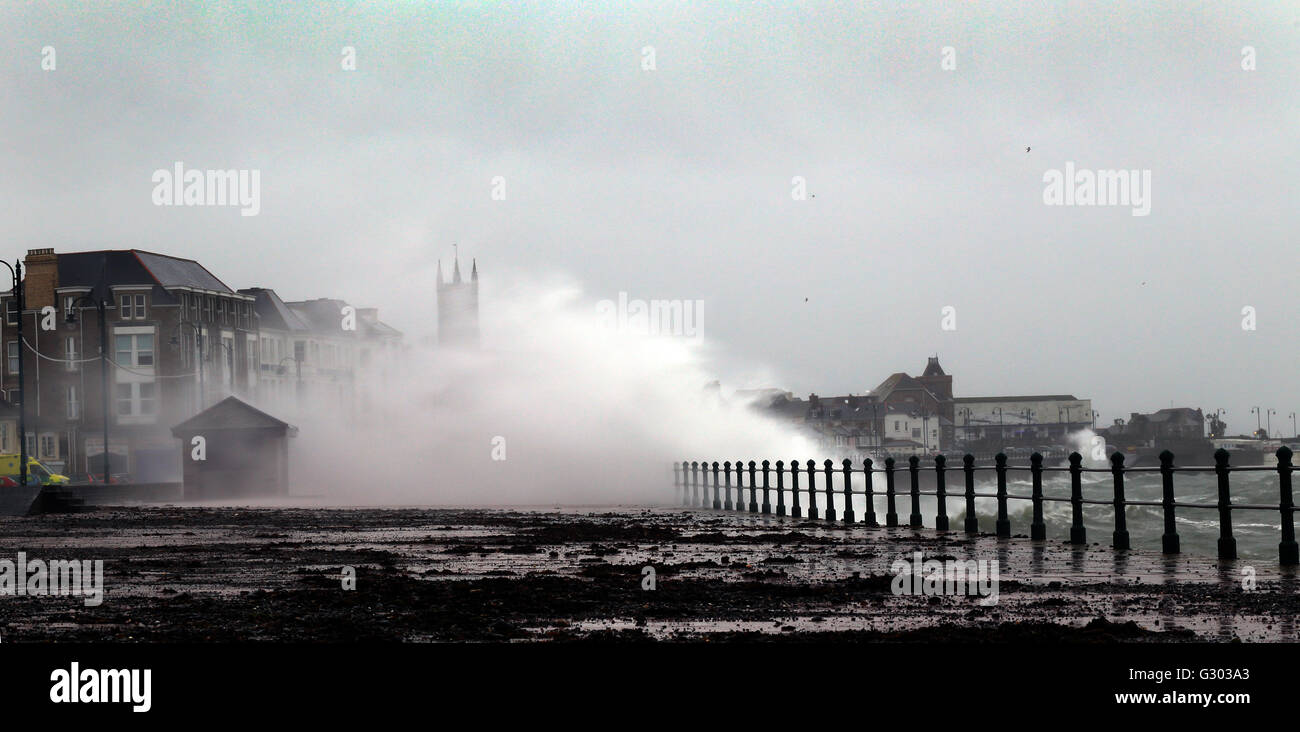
(582, 414)
(587, 415)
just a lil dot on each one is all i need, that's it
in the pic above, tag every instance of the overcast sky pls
(675, 183)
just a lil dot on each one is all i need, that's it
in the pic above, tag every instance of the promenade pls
(551, 574)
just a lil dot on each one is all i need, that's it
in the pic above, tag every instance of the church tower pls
(458, 307)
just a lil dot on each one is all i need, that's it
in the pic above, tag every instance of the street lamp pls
(1294, 433)
(1268, 416)
(875, 417)
(1255, 411)
(230, 363)
(298, 386)
(1095, 415)
(16, 269)
(965, 413)
(198, 339)
(103, 366)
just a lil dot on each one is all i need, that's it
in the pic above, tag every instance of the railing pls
(687, 482)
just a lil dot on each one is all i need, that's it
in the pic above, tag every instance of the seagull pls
(1026, 149)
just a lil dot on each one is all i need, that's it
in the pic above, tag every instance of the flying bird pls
(1026, 149)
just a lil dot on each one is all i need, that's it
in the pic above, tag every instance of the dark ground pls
(233, 574)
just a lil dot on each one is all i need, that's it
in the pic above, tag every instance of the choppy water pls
(1257, 531)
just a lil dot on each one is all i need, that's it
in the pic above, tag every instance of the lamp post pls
(230, 363)
(298, 386)
(1294, 433)
(1028, 416)
(875, 417)
(16, 269)
(1268, 417)
(1258, 426)
(103, 366)
(198, 339)
(1002, 428)
(1095, 415)
(965, 413)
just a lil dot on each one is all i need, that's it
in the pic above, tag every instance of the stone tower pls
(458, 308)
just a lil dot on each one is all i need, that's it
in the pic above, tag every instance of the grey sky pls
(675, 183)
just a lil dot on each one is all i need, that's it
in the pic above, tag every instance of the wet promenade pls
(537, 574)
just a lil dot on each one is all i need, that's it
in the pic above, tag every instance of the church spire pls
(440, 281)
(455, 272)
(473, 273)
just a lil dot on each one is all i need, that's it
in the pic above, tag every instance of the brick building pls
(156, 310)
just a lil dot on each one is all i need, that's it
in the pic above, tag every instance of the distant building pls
(1008, 420)
(324, 352)
(458, 308)
(1159, 427)
(907, 415)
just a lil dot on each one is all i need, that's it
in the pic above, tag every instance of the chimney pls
(40, 279)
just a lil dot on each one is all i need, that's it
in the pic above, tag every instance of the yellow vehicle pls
(36, 472)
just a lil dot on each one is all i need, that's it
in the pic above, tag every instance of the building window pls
(916, 431)
(137, 400)
(132, 307)
(49, 444)
(12, 353)
(11, 311)
(135, 349)
(194, 306)
(70, 353)
(74, 403)
(67, 307)
(31, 443)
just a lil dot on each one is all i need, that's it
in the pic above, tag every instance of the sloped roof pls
(273, 313)
(932, 367)
(232, 413)
(322, 315)
(1175, 413)
(380, 328)
(898, 382)
(134, 267)
(177, 272)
